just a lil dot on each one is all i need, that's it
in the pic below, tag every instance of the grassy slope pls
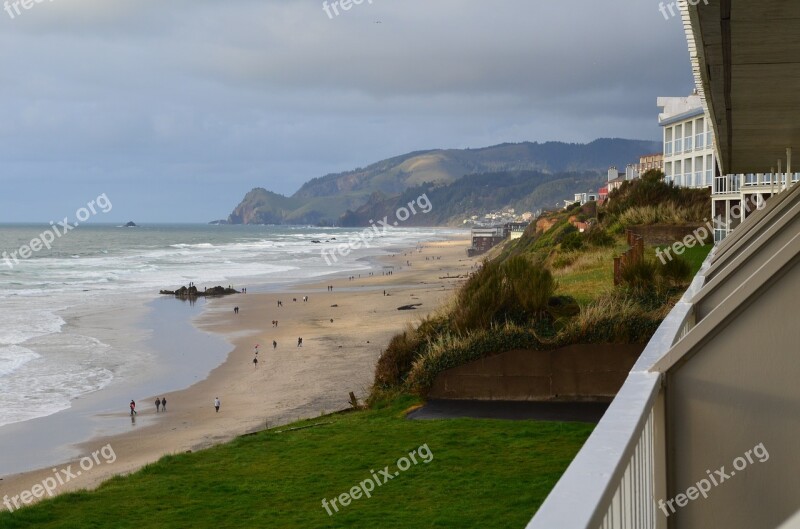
(592, 273)
(483, 474)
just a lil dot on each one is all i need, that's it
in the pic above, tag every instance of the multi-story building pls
(649, 162)
(689, 158)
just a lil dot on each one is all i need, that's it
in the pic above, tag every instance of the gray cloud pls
(207, 99)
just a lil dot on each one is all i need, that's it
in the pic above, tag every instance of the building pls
(602, 195)
(735, 197)
(484, 239)
(583, 198)
(615, 179)
(689, 158)
(650, 162)
(514, 230)
(703, 433)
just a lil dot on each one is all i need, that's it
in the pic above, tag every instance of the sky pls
(175, 109)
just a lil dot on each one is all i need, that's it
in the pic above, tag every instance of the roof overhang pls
(746, 61)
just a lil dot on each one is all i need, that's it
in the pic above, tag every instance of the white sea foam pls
(44, 364)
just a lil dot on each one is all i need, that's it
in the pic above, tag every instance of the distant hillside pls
(476, 195)
(326, 199)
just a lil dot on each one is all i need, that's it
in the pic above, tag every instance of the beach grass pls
(483, 473)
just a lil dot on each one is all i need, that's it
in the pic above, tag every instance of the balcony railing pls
(727, 184)
(733, 184)
(620, 472)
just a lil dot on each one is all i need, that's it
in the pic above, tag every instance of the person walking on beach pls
(274, 344)
(299, 342)
(236, 310)
(158, 404)
(133, 408)
(217, 403)
(255, 363)
(163, 403)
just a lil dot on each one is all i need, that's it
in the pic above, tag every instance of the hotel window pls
(678, 139)
(668, 172)
(668, 141)
(709, 168)
(700, 137)
(710, 136)
(687, 137)
(687, 172)
(698, 171)
(678, 174)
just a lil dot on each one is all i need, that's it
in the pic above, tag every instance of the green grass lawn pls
(695, 255)
(483, 473)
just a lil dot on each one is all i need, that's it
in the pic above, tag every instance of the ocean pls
(49, 356)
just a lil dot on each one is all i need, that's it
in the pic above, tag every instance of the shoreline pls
(290, 382)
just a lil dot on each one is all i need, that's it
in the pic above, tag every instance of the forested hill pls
(326, 199)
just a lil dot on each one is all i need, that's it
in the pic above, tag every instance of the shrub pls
(677, 270)
(616, 228)
(396, 360)
(640, 275)
(563, 260)
(452, 351)
(597, 236)
(515, 290)
(572, 241)
(616, 317)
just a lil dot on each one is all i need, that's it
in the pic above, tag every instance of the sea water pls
(48, 358)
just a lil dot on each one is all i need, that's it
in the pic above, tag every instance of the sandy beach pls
(343, 332)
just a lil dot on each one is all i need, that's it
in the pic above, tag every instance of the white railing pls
(620, 473)
(727, 184)
(733, 184)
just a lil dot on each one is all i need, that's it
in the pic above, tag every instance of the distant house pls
(615, 179)
(602, 195)
(514, 230)
(484, 239)
(583, 198)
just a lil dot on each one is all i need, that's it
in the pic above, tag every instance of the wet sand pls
(289, 382)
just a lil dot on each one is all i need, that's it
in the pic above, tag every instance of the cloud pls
(245, 93)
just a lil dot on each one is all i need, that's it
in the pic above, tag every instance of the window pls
(678, 176)
(668, 141)
(678, 139)
(700, 137)
(698, 172)
(709, 168)
(687, 137)
(687, 171)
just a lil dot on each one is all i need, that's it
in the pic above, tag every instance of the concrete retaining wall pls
(576, 372)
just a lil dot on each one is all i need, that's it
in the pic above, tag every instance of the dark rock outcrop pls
(193, 292)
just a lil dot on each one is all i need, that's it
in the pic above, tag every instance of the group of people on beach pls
(161, 405)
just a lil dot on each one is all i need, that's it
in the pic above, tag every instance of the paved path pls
(512, 411)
